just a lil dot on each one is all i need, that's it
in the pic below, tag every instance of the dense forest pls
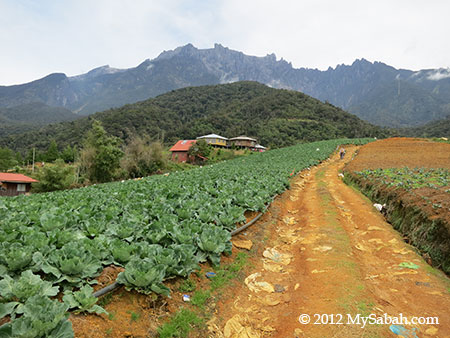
(275, 117)
(439, 128)
(29, 116)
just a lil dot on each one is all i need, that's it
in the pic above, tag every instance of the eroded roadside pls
(330, 252)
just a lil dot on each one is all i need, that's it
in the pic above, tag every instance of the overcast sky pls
(39, 37)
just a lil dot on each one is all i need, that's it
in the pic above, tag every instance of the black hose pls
(245, 226)
(106, 289)
(115, 285)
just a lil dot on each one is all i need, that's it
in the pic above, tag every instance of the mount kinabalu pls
(375, 92)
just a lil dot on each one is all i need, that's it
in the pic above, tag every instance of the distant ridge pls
(275, 117)
(376, 92)
(30, 116)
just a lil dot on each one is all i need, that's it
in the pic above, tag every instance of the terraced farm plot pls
(412, 177)
(155, 228)
(402, 152)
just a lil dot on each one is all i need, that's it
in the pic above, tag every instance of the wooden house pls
(15, 184)
(180, 150)
(214, 140)
(242, 142)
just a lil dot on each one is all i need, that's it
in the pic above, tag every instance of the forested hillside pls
(275, 117)
(30, 116)
(440, 128)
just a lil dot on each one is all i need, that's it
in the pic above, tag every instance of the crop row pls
(156, 227)
(408, 178)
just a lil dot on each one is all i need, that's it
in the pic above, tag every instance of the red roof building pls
(15, 184)
(180, 150)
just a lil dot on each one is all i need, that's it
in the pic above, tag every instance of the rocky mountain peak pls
(361, 86)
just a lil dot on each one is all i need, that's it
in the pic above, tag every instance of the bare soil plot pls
(402, 152)
(417, 202)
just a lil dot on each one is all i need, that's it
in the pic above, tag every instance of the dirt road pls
(328, 251)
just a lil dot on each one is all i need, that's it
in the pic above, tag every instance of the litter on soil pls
(256, 286)
(400, 330)
(242, 244)
(408, 265)
(277, 257)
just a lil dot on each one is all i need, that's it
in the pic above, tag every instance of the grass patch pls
(228, 272)
(365, 308)
(105, 300)
(200, 297)
(320, 174)
(188, 285)
(134, 316)
(223, 276)
(186, 319)
(181, 323)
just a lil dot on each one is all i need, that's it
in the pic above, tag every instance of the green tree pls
(52, 152)
(199, 148)
(101, 154)
(158, 159)
(141, 159)
(19, 158)
(68, 154)
(54, 176)
(7, 159)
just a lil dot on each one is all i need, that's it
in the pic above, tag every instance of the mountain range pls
(375, 92)
(276, 117)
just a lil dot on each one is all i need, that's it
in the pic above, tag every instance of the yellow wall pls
(215, 141)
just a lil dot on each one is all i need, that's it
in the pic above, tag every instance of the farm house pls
(242, 142)
(180, 150)
(214, 140)
(15, 184)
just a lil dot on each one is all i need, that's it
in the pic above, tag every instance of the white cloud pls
(439, 74)
(74, 36)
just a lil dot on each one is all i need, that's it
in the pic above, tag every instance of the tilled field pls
(418, 207)
(402, 152)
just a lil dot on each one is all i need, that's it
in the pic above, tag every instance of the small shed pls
(15, 184)
(214, 140)
(242, 142)
(180, 150)
(259, 148)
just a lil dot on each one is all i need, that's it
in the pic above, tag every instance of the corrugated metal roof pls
(16, 178)
(183, 145)
(212, 136)
(242, 138)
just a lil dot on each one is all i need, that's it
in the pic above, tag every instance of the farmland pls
(337, 254)
(412, 178)
(156, 228)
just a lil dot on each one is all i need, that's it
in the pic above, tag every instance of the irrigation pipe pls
(245, 226)
(115, 285)
(106, 289)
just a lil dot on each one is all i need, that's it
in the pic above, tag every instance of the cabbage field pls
(157, 228)
(407, 178)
